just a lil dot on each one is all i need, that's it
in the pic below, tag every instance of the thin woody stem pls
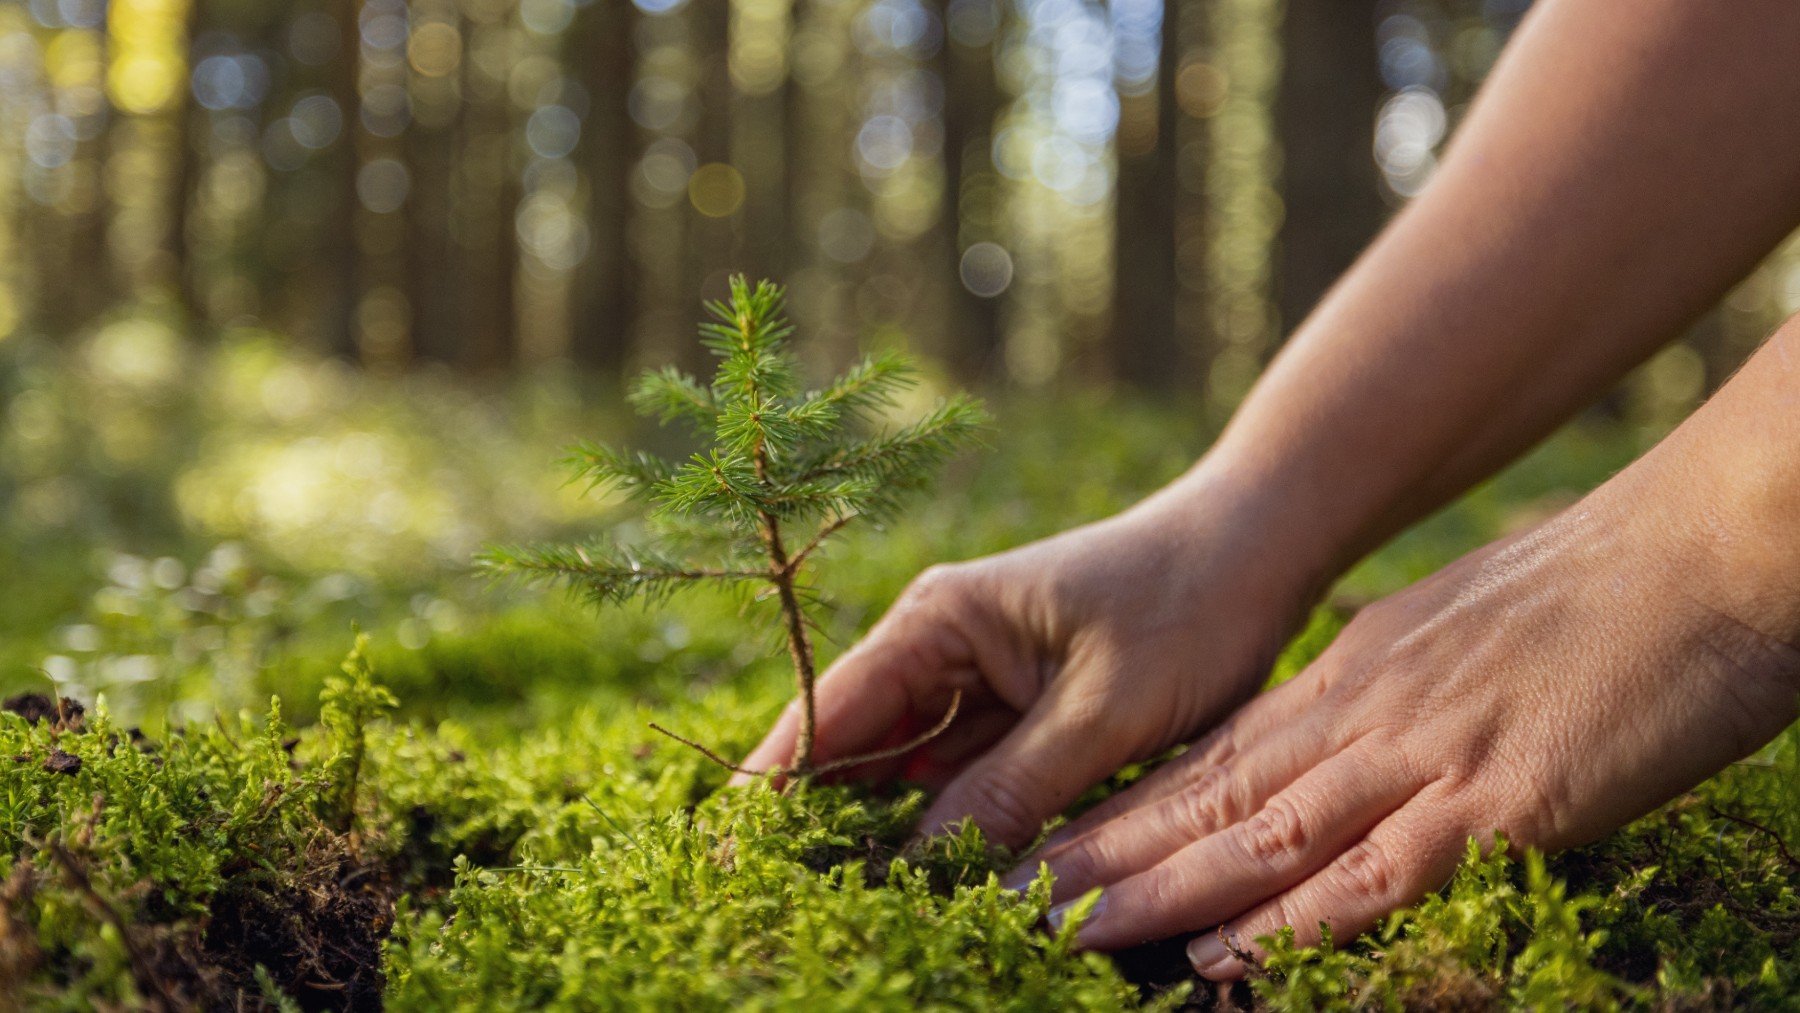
(799, 644)
(900, 750)
(714, 757)
(839, 764)
(819, 539)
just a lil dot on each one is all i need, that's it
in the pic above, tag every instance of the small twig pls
(900, 750)
(825, 768)
(825, 532)
(715, 757)
(1252, 966)
(1745, 821)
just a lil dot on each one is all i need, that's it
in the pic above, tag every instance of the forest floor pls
(471, 812)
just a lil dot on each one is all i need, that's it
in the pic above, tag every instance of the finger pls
(1261, 718)
(1406, 856)
(1294, 834)
(1056, 752)
(871, 690)
(1140, 837)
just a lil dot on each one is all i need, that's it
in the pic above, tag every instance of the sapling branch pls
(781, 460)
(892, 752)
(837, 524)
(903, 748)
(709, 754)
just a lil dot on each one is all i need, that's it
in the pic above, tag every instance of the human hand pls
(1074, 655)
(1551, 687)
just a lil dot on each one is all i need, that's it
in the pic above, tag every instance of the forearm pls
(1623, 167)
(1727, 483)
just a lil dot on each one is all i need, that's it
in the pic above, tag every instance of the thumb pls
(1056, 752)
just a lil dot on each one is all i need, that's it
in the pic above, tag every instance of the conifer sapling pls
(787, 470)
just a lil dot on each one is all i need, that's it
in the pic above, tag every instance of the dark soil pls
(34, 707)
(319, 939)
(1158, 968)
(426, 865)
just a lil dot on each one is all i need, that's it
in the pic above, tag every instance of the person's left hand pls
(1551, 687)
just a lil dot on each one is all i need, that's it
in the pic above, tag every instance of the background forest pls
(1030, 191)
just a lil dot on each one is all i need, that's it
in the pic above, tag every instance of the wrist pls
(1225, 520)
(1717, 543)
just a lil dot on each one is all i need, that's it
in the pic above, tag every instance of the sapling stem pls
(799, 644)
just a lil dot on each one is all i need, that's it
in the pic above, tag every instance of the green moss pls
(592, 864)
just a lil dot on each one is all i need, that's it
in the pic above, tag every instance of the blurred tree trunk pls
(445, 328)
(606, 289)
(188, 123)
(1331, 89)
(1145, 348)
(970, 215)
(822, 120)
(489, 193)
(345, 249)
(712, 245)
(759, 135)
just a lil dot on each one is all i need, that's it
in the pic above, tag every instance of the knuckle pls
(934, 583)
(1274, 835)
(1205, 806)
(1166, 888)
(1083, 862)
(1369, 871)
(1086, 718)
(1215, 748)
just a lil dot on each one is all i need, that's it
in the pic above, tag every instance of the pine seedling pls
(786, 471)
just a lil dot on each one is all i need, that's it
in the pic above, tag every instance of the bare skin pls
(1621, 169)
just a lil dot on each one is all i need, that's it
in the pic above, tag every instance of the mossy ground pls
(513, 835)
(592, 864)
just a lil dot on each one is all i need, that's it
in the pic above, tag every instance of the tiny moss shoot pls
(786, 471)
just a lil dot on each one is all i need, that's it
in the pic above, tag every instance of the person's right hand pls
(1074, 655)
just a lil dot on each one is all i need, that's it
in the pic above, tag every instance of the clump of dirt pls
(874, 854)
(59, 762)
(319, 937)
(63, 714)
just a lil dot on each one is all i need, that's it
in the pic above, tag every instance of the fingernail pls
(1211, 957)
(1060, 913)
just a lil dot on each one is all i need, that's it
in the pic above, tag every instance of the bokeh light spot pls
(986, 269)
(1200, 88)
(846, 235)
(553, 131)
(382, 185)
(435, 49)
(716, 190)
